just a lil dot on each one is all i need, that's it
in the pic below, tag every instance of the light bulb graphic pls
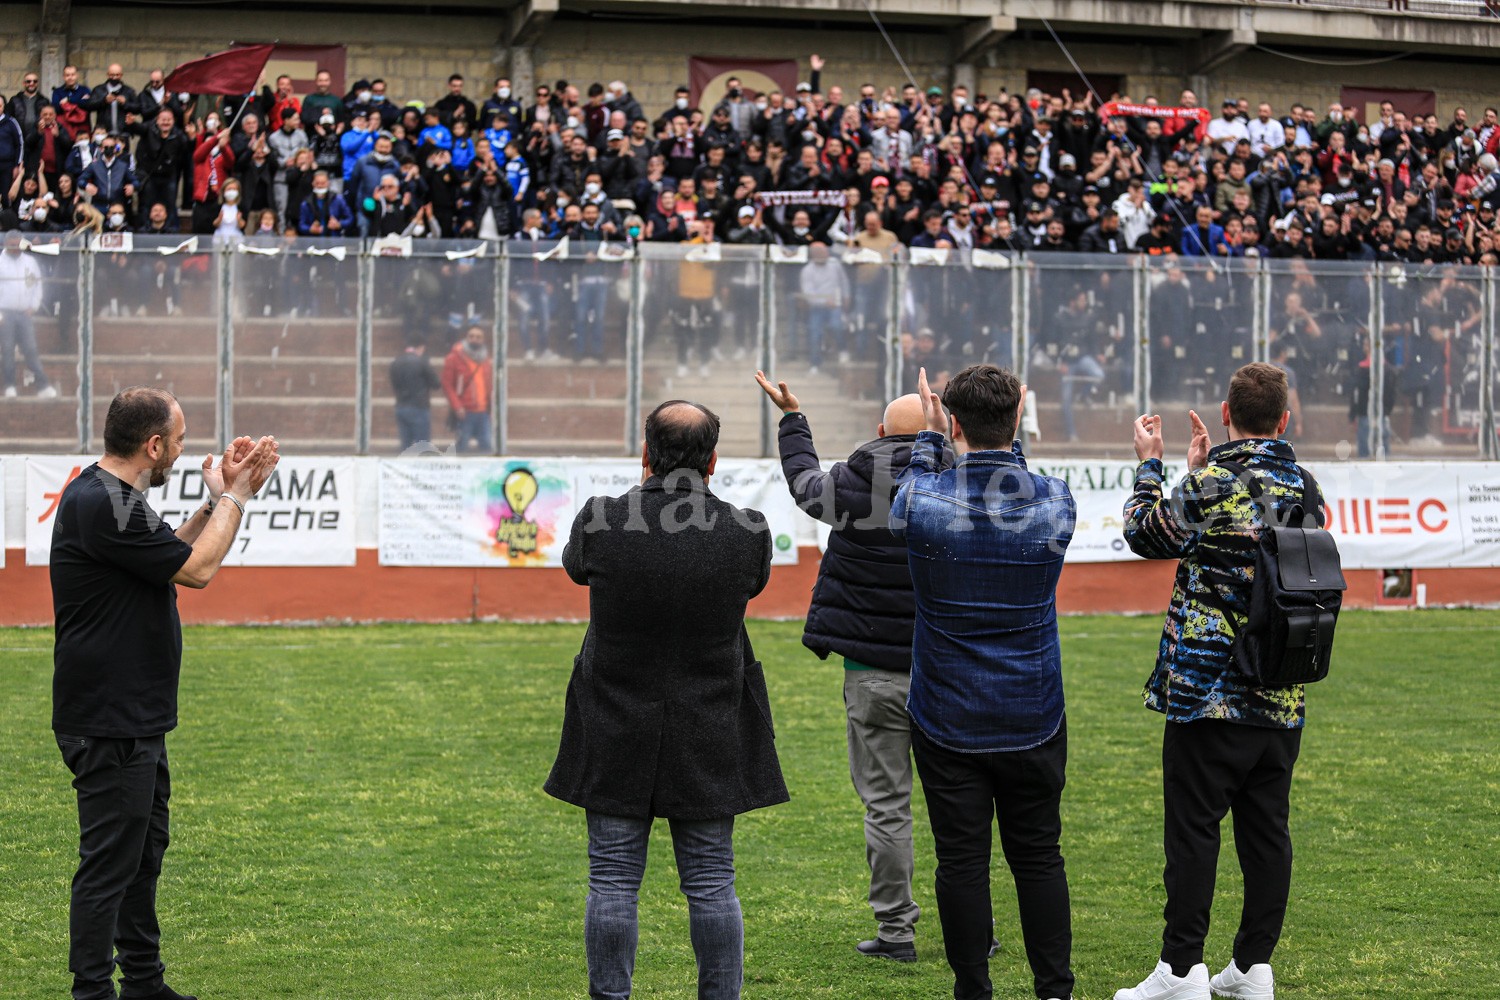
(520, 489)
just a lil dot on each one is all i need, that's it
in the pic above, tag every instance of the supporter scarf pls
(773, 198)
(1114, 108)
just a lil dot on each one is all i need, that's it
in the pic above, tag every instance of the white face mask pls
(364, 96)
(572, 122)
(609, 98)
(809, 136)
(40, 215)
(320, 192)
(1345, 181)
(419, 230)
(99, 139)
(211, 124)
(562, 203)
(591, 189)
(800, 230)
(230, 197)
(116, 218)
(682, 103)
(761, 105)
(503, 93)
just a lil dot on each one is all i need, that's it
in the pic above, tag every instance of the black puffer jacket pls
(862, 605)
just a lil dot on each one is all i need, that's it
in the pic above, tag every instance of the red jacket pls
(208, 149)
(467, 383)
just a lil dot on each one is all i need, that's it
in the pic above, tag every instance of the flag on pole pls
(234, 71)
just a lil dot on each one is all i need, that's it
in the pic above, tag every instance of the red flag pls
(235, 71)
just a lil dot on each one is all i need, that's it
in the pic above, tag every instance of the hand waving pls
(932, 405)
(1148, 439)
(1198, 445)
(247, 470)
(779, 393)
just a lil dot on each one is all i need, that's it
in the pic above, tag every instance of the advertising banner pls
(303, 516)
(518, 512)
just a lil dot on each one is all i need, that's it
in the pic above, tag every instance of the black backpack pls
(1296, 593)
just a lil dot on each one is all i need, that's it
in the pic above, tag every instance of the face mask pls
(809, 136)
(382, 157)
(502, 92)
(761, 105)
(1337, 116)
(735, 92)
(1364, 137)
(634, 231)
(99, 139)
(320, 192)
(591, 189)
(41, 215)
(266, 227)
(562, 203)
(609, 98)
(800, 230)
(377, 98)
(116, 219)
(364, 96)
(572, 122)
(1345, 181)
(681, 103)
(211, 124)
(230, 197)
(419, 230)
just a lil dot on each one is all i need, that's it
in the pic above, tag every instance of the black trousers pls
(1211, 767)
(966, 793)
(123, 787)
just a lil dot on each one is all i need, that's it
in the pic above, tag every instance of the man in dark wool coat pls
(666, 712)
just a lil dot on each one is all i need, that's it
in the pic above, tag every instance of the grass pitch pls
(357, 812)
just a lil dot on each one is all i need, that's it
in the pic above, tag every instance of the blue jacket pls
(985, 543)
(1192, 241)
(436, 135)
(331, 207)
(463, 153)
(12, 143)
(366, 178)
(109, 178)
(355, 145)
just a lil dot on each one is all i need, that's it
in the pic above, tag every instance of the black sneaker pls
(897, 951)
(994, 948)
(165, 993)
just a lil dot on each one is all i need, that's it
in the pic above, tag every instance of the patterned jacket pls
(1211, 525)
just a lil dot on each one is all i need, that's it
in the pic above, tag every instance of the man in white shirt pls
(1267, 134)
(20, 297)
(1228, 129)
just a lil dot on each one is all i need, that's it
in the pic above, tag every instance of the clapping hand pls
(932, 405)
(246, 468)
(1148, 439)
(779, 393)
(213, 477)
(1198, 444)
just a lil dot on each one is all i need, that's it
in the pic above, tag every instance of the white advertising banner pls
(1385, 515)
(303, 516)
(518, 512)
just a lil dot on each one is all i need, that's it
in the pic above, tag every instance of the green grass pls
(357, 812)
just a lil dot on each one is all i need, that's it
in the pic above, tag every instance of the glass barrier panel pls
(296, 345)
(567, 321)
(156, 322)
(955, 310)
(826, 330)
(39, 338)
(1200, 320)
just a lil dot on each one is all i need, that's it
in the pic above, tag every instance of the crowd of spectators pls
(888, 170)
(880, 168)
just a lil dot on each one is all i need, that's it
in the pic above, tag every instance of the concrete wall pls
(416, 54)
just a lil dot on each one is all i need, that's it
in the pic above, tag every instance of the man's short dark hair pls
(681, 435)
(1257, 399)
(456, 76)
(984, 399)
(135, 416)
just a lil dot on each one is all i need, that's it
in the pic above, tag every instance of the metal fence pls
(297, 337)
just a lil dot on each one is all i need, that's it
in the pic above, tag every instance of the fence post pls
(767, 345)
(85, 348)
(1260, 315)
(1140, 332)
(1020, 291)
(635, 349)
(364, 340)
(224, 260)
(1375, 409)
(501, 307)
(894, 361)
(1487, 427)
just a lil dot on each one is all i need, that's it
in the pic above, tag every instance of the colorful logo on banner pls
(522, 512)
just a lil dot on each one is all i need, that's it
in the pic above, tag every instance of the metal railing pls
(297, 338)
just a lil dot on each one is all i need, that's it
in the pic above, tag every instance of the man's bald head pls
(681, 435)
(903, 416)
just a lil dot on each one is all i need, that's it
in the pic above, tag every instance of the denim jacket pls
(985, 542)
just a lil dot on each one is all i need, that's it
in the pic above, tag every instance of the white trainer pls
(1162, 985)
(1257, 984)
(47, 392)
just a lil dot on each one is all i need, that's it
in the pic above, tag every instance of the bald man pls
(862, 610)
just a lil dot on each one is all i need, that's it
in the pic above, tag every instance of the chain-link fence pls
(562, 347)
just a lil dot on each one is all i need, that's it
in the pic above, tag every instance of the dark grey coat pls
(666, 712)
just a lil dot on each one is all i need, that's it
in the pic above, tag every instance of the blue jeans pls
(593, 294)
(705, 867)
(533, 315)
(474, 427)
(414, 424)
(17, 330)
(1087, 370)
(821, 322)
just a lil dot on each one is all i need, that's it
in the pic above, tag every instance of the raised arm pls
(243, 476)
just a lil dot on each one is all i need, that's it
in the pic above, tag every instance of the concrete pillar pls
(522, 73)
(963, 75)
(54, 53)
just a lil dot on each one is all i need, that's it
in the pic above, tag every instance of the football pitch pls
(357, 812)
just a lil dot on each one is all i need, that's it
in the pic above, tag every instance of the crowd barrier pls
(295, 337)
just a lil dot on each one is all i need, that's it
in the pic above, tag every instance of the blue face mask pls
(634, 231)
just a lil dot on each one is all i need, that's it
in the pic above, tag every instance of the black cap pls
(1160, 220)
(1371, 203)
(990, 180)
(1036, 206)
(1030, 151)
(1090, 189)
(1445, 203)
(1230, 102)
(1039, 178)
(1453, 234)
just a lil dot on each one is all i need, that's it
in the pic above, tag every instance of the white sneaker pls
(843, 357)
(704, 371)
(1257, 984)
(531, 355)
(813, 371)
(10, 392)
(50, 392)
(1162, 985)
(682, 371)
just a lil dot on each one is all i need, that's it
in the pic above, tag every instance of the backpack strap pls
(1311, 495)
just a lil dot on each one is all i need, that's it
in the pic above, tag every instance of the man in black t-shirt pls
(115, 566)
